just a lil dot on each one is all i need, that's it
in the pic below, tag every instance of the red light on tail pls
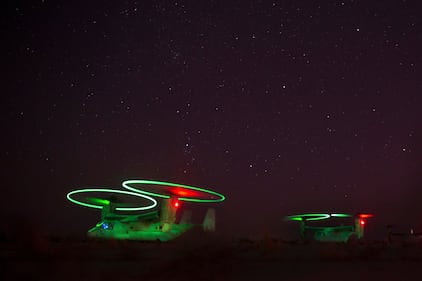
(362, 222)
(176, 204)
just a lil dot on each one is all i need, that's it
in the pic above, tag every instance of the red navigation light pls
(176, 204)
(183, 192)
(362, 222)
(365, 216)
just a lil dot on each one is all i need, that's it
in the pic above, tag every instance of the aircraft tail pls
(209, 221)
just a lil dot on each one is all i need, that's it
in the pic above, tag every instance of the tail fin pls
(209, 221)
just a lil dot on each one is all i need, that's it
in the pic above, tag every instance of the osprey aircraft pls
(341, 228)
(157, 221)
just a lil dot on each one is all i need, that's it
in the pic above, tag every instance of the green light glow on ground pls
(102, 201)
(315, 216)
(219, 197)
(150, 232)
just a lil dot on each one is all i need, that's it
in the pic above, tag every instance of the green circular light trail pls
(127, 184)
(100, 206)
(341, 215)
(316, 216)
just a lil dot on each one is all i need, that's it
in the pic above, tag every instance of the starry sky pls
(283, 106)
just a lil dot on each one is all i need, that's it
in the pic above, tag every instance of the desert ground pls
(207, 257)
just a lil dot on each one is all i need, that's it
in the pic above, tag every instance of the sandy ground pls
(208, 258)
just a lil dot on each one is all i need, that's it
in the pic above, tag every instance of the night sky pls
(284, 107)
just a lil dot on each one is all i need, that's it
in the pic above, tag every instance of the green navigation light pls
(341, 215)
(99, 201)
